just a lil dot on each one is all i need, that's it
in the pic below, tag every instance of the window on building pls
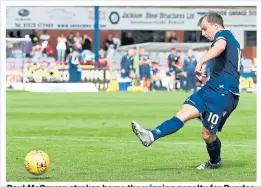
(194, 36)
(250, 38)
(142, 36)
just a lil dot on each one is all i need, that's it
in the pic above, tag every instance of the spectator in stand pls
(17, 52)
(9, 48)
(86, 49)
(78, 46)
(144, 69)
(44, 48)
(128, 40)
(189, 67)
(34, 37)
(87, 42)
(45, 36)
(18, 34)
(127, 69)
(108, 42)
(87, 57)
(77, 37)
(36, 53)
(110, 54)
(116, 41)
(27, 46)
(173, 38)
(70, 43)
(102, 64)
(11, 34)
(247, 65)
(74, 66)
(61, 48)
(49, 49)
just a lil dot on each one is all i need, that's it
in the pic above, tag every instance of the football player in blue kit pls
(215, 101)
(174, 69)
(144, 68)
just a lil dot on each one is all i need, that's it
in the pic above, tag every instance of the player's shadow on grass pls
(228, 164)
(39, 178)
(171, 168)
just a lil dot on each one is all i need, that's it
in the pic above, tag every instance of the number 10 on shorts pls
(213, 118)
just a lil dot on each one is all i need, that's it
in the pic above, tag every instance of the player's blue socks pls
(214, 151)
(167, 127)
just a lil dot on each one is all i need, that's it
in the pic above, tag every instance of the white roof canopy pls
(166, 47)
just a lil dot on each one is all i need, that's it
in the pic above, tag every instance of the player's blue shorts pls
(145, 72)
(215, 106)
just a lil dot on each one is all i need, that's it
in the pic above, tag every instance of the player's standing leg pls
(213, 145)
(213, 123)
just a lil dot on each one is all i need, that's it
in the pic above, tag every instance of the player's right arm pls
(216, 50)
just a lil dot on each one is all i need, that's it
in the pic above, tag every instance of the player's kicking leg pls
(146, 137)
(170, 126)
(191, 109)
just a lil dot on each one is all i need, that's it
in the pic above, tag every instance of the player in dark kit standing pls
(215, 101)
(174, 69)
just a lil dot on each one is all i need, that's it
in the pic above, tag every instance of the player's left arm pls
(216, 50)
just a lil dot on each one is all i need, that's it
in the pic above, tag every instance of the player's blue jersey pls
(226, 70)
(172, 58)
(145, 68)
(144, 58)
(127, 63)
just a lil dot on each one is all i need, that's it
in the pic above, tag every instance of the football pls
(37, 162)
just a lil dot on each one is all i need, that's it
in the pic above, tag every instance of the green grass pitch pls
(88, 138)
